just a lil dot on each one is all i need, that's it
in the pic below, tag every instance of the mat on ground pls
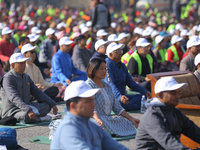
(45, 139)
(20, 125)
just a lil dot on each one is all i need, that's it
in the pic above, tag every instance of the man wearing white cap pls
(16, 88)
(63, 68)
(197, 63)
(118, 78)
(6, 47)
(100, 47)
(185, 35)
(85, 32)
(51, 89)
(193, 46)
(162, 124)
(77, 131)
(175, 52)
(61, 26)
(141, 63)
(123, 39)
(47, 47)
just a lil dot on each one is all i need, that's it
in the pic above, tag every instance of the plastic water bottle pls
(143, 107)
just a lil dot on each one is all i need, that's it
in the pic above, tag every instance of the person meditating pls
(105, 102)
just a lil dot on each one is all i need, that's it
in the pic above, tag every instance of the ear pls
(12, 65)
(72, 105)
(160, 95)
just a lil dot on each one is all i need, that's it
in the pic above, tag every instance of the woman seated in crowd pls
(106, 102)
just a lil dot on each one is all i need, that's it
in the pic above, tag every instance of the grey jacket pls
(161, 127)
(197, 74)
(81, 58)
(46, 50)
(187, 63)
(15, 92)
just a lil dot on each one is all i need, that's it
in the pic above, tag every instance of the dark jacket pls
(161, 127)
(99, 55)
(118, 78)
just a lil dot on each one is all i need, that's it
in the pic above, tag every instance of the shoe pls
(45, 118)
(54, 117)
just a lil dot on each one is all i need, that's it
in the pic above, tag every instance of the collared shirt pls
(80, 133)
(6, 50)
(118, 78)
(63, 68)
(34, 72)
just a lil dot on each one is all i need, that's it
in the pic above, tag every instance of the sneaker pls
(45, 118)
(54, 117)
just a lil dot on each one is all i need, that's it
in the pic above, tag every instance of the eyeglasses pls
(32, 52)
(118, 51)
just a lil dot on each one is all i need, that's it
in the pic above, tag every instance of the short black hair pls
(23, 39)
(80, 37)
(74, 99)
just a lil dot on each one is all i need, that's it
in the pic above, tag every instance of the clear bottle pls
(143, 107)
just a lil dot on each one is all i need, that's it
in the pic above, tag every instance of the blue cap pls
(163, 33)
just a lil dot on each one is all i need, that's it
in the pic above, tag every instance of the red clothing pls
(186, 53)
(170, 54)
(6, 50)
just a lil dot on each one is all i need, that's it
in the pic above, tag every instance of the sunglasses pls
(118, 51)
(32, 52)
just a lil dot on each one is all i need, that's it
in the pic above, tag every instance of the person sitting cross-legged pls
(51, 89)
(16, 89)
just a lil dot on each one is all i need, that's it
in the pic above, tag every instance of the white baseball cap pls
(142, 42)
(112, 37)
(28, 47)
(89, 24)
(154, 33)
(193, 41)
(195, 27)
(179, 27)
(146, 33)
(138, 30)
(171, 31)
(99, 43)
(113, 25)
(2, 25)
(33, 37)
(60, 25)
(30, 22)
(167, 84)
(84, 29)
(6, 30)
(113, 46)
(18, 57)
(35, 30)
(159, 38)
(149, 28)
(49, 31)
(184, 33)
(25, 18)
(176, 38)
(65, 41)
(79, 89)
(197, 59)
(122, 35)
(101, 32)
(82, 25)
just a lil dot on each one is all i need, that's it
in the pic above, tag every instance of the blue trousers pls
(134, 102)
(81, 77)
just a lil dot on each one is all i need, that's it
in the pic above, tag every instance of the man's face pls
(116, 55)
(171, 98)
(85, 107)
(83, 42)
(195, 50)
(19, 67)
(7, 37)
(178, 44)
(143, 50)
(31, 54)
(102, 49)
(65, 48)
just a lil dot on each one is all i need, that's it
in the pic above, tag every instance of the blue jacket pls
(63, 68)
(80, 133)
(99, 55)
(118, 77)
